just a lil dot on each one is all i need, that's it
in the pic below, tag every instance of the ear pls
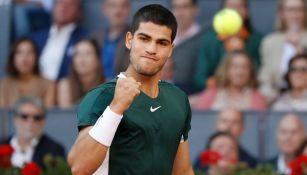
(171, 50)
(128, 42)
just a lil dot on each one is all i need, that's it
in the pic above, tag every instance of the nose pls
(151, 48)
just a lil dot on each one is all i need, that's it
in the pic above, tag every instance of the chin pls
(146, 72)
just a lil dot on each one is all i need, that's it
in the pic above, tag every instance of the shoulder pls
(63, 83)
(256, 34)
(209, 34)
(40, 33)
(273, 38)
(5, 141)
(46, 140)
(48, 145)
(171, 88)
(80, 30)
(103, 92)
(94, 103)
(7, 81)
(273, 162)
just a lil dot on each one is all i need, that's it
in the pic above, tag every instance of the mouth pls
(150, 58)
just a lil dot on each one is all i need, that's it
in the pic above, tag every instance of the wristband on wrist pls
(105, 127)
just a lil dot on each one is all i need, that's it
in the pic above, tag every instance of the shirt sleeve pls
(93, 105)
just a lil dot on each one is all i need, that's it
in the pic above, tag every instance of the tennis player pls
(136, 124)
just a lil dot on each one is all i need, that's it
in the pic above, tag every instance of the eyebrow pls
(159, 39)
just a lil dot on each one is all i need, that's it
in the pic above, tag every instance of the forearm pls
(86, 155)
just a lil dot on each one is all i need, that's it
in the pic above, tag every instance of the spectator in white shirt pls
(56, 43)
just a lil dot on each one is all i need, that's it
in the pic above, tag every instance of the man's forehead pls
(154, 30)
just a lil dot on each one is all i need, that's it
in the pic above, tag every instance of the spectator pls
(279, 47)
(114, 54)
(23, 76)
(232, 121)
(85, 74)
(214, 47)
(30, 15)
(236, 86)
(226, 145)
(56, 43)
(295, 98)
(29, 141)
(187, 43)
(290, 135)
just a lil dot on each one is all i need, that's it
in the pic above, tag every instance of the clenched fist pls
(126, 90)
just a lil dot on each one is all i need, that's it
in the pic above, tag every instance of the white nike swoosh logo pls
(154, 109)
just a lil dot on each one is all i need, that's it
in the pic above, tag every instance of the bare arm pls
(50, 95)
(64, 99)
(182, 164)
(87, 154)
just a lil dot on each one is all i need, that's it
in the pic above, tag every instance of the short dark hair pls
(220, 134)
(10, 66)
(156, 14)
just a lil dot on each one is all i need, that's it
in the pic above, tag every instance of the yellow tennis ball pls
(227, 22)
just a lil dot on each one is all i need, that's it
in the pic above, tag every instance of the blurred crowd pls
(55, 61)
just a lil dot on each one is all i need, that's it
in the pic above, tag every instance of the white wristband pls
(105, 127)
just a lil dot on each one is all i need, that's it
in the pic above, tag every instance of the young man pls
(136, 124)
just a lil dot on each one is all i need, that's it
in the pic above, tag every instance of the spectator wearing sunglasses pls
(295, 96)
(29, 141)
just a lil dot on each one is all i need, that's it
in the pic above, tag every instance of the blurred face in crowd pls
(290, 134)
(292, 14)
(66, 11)
(239, 71)
(117, 12)
(85, 59)
(29, 121)
(25, 58)
(230, 120)
(298, 74)
(228, 149)
(239, 6)
(185, 12)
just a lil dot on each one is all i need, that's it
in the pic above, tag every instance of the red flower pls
(210, 157)
(296, 165)
(6, 152)
(31, 169)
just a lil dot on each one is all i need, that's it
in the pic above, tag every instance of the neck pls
(116, 31)
(298, 92)
(26, 77)
(149, 84)
(288, 158)
(23, 143)
(235, 89)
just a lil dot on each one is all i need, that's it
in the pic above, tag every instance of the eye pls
(142, 38)
(163, 43)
